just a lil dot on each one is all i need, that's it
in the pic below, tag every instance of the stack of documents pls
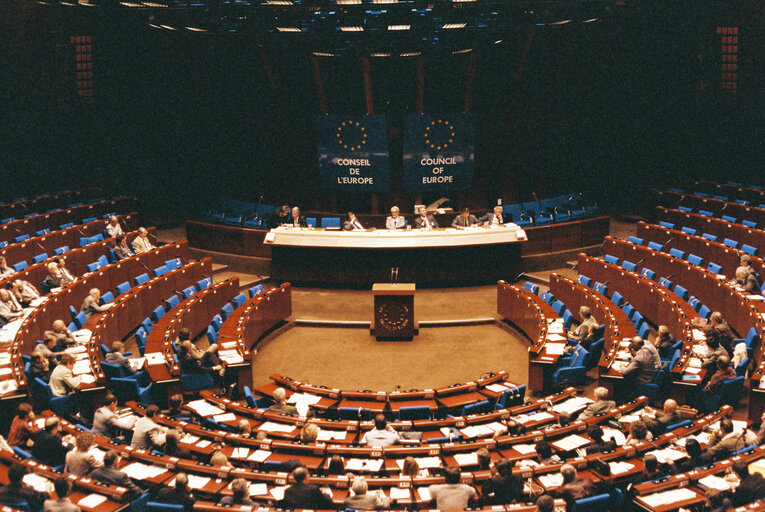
(658, 499)
(204, 408)
(572, 405)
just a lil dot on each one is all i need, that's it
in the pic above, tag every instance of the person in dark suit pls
(298, 220)
(425, 221)
(117, 357)
(62, 334)
(280, 403)
(651, 471)
(574, 487)
(464, 219)
(279, 217)
(109, 475)
(600, 405)
(240, 496)
(121, 249)
(693, 450)
(664, 342)
(39, 368)
(503, 487)
(304, 495)
(90, 305)
(353, 223)
(751, 486)
(599, 445)
(15, 492)
(48, 447)
(178, 495)
(663, 419)
(493, 218)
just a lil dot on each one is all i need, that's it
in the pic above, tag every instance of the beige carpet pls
(349, 358)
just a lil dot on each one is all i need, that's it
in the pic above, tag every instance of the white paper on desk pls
(204, 408)
(204, 443)
(137, 363)
(554, 349)
(5, 371)
(476, 430)
(694, 362)
(37, 482)
(81, 367)
(715, 482)
(554, 336)
(551, 480)
(82, 336)
(97, 453)
(496, 426)
(497, 388)
(424, 493)
(524, 449)
(5, 358)
(271, 426)
(8, 386)
(259, 455)
(425, 462)
(571, 442)
(87, 378)
(617, 366)
(189, 438)
(231, 356)
(540, 416)
(258, 489)
(397, 493)
(228, 345)
(372, 465)
(629, 418)
(155, 358)
(139, 471)
(36, 302)
(738, 425)
(195, 482)
(222, 418)
(572, 405)
(466, 459)
(240, 453)
(278, 492)
(77, 349)
(667, 454)
(664, 498)
(698, 335)
(308, 398)
(618, 468)
(555, 328)
(91, 501)
(755, 297)
(616, 435)
(330, 435)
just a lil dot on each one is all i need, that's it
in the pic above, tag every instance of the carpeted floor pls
(350, 358)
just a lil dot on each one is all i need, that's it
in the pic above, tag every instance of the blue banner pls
(439, 152)
(353, 153)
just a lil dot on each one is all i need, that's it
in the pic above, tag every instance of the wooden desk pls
(394, 317)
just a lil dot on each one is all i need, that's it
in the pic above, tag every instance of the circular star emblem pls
(439, 134)
(351, 135)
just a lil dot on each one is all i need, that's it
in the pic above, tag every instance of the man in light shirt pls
(142, 242)
(62, 380)
(381, 435)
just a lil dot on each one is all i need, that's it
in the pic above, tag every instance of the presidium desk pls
(446, 256)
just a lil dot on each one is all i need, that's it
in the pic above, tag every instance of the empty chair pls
(92, 267)
(742, 201)
(354, 413)
(714, 267)
(685, 209)
(730, 243)
(411, 413)
(706, 213)
(155, 506)
(171, 302)
(635, 240)
(628, 265)
(482, 407)
(681, 292)
(647, 272)
(80, 320)
(637, 319)
(311, 221)
(572, 370)
(548, 297)
(40, 257)
(568, 319)
(122, 288)
(141, 279)
(705, 312)
(147, 324)
(239, 300)
(67, 225)
(158, 313)
(531, 287)
(655, 246)
(203, 283)
(617, 299)
(130, 388)
(749, 224)
(226, 310)
(694, 259)
(728, 218)
(608, 258)
(330, 222)
(212, 335)
(188, 292)
(89, 219)
(61, 250)
(173, 264)
(72, 312)
(601, 288)
(688, 231)
(43, 398)
(558, 306)
(677, 253)
(599, 503)
(667, 225)
(256, 290)
(21, 238)
(587, 281)
(711, 238)
(666, 283)
(216, 322)
(644, 331)
(140, 339)
(749, 249)
(694, 302)
(21, 265)
(159, 271)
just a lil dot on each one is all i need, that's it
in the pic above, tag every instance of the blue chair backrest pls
(171, 302)
(601, 289)
(40, 257)
(568, 319)
(311, 221)
(647, 272)
(414, 413)
(92, 267)
(173, 264)
(21, 238)
(667, 225)
(107, 297)
(599, 503)
(693, 259)
(685, 209)
(216, 322)
(628, 309)
(749, 249)
(21, 265)
(481, 407)
(239, 299)
(158, 313)
(531, 287)
(330, 222)
(188, 292)
(706, 213)
(681, 424)
(61, 250)
(122, 287)
(212, 335)
(628, 265)
(160, 271)
(256, 290)
(752, 337)
(655, 246)
(681, 292)
(67, 225)
(558, 306)
(18, 505)
(587, 281)
(742, 366)
(666, 283)
(102, 260)
(711, 238)
(704, 311)
(579, 357)
(141, 279)
(89, 219)
(749, 223)
(203, 283)
(611, 259)
(730, 243)
(635, 240)
(153, 506)
(688, 231)
(677, 253)
(617, 298)
(714, 267)
(674, 359)
(730, 391)
(728, 218)
(644, 331)
(112, 371)
(248, 396)
(80, 320)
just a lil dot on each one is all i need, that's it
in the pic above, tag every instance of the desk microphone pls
(639, 262)
(518, 277)
(80, 232)
(670, 276)
(144, 266)
(670, 240)
(38, 244)
(724, 207)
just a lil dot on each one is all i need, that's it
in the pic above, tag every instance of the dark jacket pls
(501, 489)
(11, 494)
(305, 496)
(111, 476)
(48, 449)
(173, 496)
(750, 489)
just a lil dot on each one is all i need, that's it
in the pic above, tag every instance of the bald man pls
(664, 418)
(9, 309)
(583, 329)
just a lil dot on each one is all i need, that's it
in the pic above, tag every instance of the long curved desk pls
(436, 256)
(718, 227)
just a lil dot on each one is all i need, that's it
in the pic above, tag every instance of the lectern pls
(394, 311)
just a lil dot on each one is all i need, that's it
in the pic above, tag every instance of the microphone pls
(670, 240)
(38, 244)
(80, 232)
(144, 266)
(670, 276)
(639, 262)
(724, 207)
(518, 277)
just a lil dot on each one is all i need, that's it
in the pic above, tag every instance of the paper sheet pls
(524, 449)
(667, 454)
(424, 493)
(259, 455)
(397, 493)
(664, 498)
(204, 408)
(258, 489)
(154, 358)
(618, 468)
(466, 459)
(231, 356)
(540, 416)
(571, 442)
(222, 418)
(330, 435)
(616, 435)
(572, 405)
(551, 480)
(278, 492)
(372, 465)
(715, 482)
(497, 388)
(91, 501)
(139, 471)
(270, 426)
(554, 349)
(476, 430)
(240, 453)
(37, 482)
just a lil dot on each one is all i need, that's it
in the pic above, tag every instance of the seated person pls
(747, 281)
(493, 218)
(717, 328)
(212, 364)
(117, 357)
(109, 474)
(80, 461)
(716, 501)
(90, 305)
(651, 471)
(189, 356)
(725, 441)
(464, 219)
(57, 277)
(425, 221)
(664, 342)
(106, 421)
(16, 492)
(175, 409)
(709, 361)
(62, 504)
(218, 458)
(302, 494)
(381, 435)
(39, 368)
(638, 432)
(10, 310)
(62, 380)
(142, 242)
(298, 221)
(751, 485)
(48, 349)
(113, 227)
(6, 271)
(121, 248)
(693, 450)
(600, 405)
(309, 433)
(360, 500)
(62, 335)
(599, 445)
(545, 454)
(394, 220)
(643, 366)
(48, 446)
(545, 503)
(353, 223)
(177, 495)
(725, 372)
(574, 487)
(452, 494)
(664, 418)
(279, 217)
(23, 426)
(583, 329)
(503, 487)
(147, 435)
(173, 446)
(24, 292)
(411, 467)
(280, 403)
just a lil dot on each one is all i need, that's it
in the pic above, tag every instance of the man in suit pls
(583, 329)
(48, 447)
(493, 218)
(279, 217)
(601, 404)
(751, 486)
(113, 227)
(353, 223)
(394, 220)
(107, 423)
(146, 433)
(178, 495)
(642, 367)
(62, 504)
(109, 475)
(90, 305)
(503, 487)
(304, 495)
(717, 328)
(464, 219)
(56, 277)
(747, 280)
(117, 357)
(62, 336)
(281, 406)
(725, 440)
(360, 500)
(121, 249)
(142, 242)
(15, 492)
(709, 360)
(9, 309)
(298, 220)
(24, 292)
(425, 221)
(574, 487)
(668, 416)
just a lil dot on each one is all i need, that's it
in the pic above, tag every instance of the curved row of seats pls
(24, 205)
(733, 189)
(751, 216)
